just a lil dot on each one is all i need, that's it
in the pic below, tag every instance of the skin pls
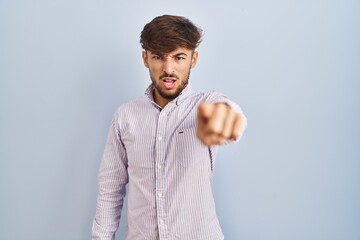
(217, 123)
(174, 66)
(169, 73)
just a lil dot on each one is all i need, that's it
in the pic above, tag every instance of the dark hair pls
(166, 33)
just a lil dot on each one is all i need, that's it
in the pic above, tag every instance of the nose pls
(168, 66)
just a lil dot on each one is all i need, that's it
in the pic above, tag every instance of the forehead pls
(177, 51)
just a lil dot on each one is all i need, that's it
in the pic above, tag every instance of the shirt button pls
(160, 194)
(160, 138)
(159, 166)
(162, 221)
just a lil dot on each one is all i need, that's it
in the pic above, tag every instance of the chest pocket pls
(187, 150)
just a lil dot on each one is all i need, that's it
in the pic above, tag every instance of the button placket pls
(160, 148)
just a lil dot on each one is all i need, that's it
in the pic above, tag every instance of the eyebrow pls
(175, 55)
(179, 54)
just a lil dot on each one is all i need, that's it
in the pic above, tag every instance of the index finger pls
(217, 119)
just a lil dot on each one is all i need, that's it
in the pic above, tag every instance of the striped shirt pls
(168, 171)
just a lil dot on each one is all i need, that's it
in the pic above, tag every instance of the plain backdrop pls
(293, 66)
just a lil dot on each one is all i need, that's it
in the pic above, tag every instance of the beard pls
(183, 83)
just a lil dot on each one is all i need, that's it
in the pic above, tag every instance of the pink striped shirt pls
(168, 171)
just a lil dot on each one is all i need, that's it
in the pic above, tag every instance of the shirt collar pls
(178, 100)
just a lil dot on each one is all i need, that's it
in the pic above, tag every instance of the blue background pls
(293, 66)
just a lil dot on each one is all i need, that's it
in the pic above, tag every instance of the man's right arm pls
(112, 178)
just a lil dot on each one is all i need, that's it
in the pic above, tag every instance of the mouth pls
(169, 83)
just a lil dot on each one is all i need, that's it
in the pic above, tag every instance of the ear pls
(145, 58)
(194, 59)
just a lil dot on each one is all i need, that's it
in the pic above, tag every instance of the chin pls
(169, 95)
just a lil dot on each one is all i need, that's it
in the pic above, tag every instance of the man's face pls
(169, 73)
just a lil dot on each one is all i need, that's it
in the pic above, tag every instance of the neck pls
(159, 100)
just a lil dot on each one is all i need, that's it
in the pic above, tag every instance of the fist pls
(217, 123)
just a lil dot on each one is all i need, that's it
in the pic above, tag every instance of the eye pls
(156, 57)
(178, 58)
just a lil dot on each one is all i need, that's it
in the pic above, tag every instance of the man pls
(163, 145)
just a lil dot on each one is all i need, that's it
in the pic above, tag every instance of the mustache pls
(169, 76)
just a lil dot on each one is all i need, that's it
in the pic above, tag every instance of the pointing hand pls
(218, 122)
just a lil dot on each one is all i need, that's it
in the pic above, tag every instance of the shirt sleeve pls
(112, 180)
